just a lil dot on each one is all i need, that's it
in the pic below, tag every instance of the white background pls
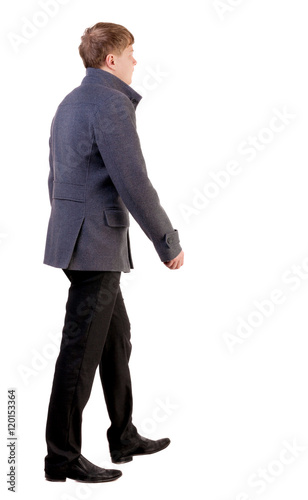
(231, 414)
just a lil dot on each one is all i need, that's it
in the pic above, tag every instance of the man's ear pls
(109, 61)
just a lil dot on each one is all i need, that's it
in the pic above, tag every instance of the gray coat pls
(97, 176)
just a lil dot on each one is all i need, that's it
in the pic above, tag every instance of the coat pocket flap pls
(68, 191)
(117, 218)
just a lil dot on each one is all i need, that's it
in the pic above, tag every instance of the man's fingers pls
(171, 265)
(177, 262)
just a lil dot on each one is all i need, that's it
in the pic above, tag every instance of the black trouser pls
(96, 333)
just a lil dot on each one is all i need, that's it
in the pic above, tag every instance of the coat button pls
(169, 240)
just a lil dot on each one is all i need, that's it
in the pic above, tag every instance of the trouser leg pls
(115, 376)
(89, 310)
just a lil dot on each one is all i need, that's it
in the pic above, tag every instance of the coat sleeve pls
(118, 142)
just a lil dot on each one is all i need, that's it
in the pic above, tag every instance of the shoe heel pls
(60, 479)
(120, 460)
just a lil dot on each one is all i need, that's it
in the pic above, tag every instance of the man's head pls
(108, 46)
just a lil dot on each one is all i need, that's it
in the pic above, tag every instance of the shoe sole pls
(124, 460)
(55, 479)
(63, 479)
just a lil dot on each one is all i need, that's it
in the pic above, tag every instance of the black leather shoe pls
(84, 471)
(141, 446)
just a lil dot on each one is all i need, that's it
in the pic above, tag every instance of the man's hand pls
(177, 262)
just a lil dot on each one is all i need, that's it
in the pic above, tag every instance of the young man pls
(97, 176)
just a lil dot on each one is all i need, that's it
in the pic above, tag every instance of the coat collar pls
(109, 80)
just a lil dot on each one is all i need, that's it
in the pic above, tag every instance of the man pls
(97, 176)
